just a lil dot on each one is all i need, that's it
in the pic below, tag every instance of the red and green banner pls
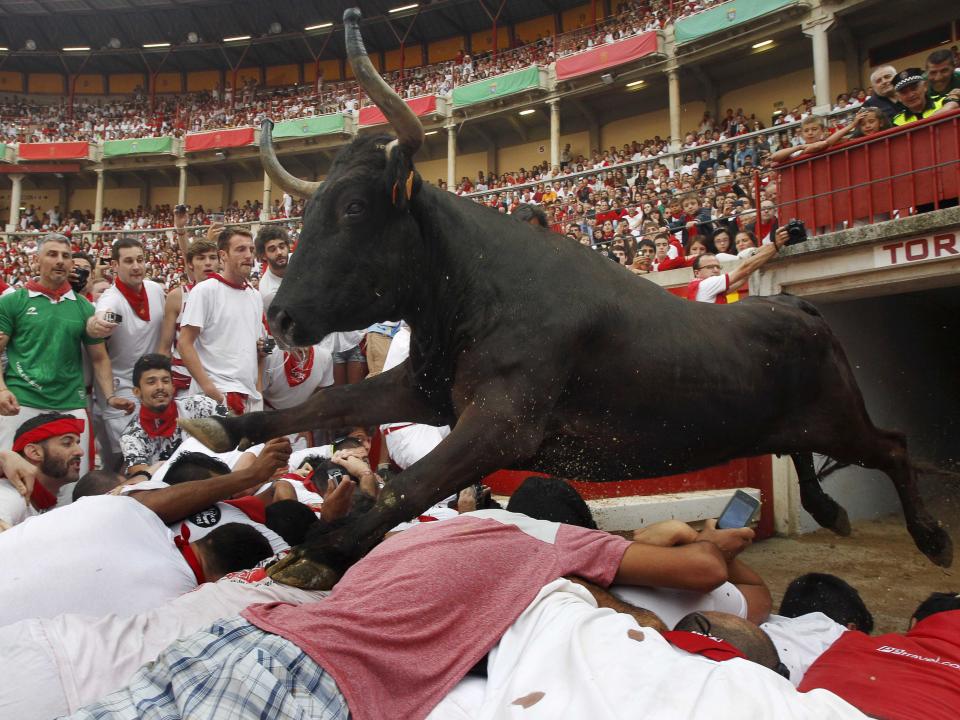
(421, 106)
(138, 146)
(309, 126)
(720, 17)
(607, 56)
(54, 151)
(497, 87)
(218, 139)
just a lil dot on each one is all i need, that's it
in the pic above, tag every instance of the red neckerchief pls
(297, 372)
(763, 229)
(54, 295)
(182, 541)
(88, 296)
(41, 498)
(159, 424)
(221, 278)
(251, 506)
(138, 299)
(706, 645)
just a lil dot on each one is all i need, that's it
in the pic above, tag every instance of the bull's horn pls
(405, 123)
(284, 180)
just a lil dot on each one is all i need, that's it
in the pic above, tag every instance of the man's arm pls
(699, 566)
(168, 330)
(174, 503)
(188, 353)
(103, 376)
(950, 102)
(604, 599)
(8, 401)
(744, 270)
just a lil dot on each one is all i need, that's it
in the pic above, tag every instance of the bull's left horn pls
(403, 120)
(271, 165)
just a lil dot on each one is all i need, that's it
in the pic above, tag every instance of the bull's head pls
(355, 261)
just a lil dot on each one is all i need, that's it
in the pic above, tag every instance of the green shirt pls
(44, 360)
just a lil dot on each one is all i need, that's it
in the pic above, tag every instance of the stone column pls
(182, 191)
(673, 87)
(554, 132)
(451, 157)
(267, 200)
(98, 206)
(16, 195)
(816, 29)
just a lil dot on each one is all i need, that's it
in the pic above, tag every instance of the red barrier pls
(371, 115)
(746, 472)
(872, 178)
(54, 151)
(196, 142)
(607, 56)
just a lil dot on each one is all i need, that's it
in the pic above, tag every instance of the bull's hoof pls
(299, 571)
(832, 516)
(211, 432)
(933, 541)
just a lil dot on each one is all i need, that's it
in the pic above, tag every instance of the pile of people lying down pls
(151, 601)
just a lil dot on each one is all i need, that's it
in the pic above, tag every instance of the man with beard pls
(42, 326)
(154, 434)
(273, 248)
(222, 327)
(51, 443)
(136, 305)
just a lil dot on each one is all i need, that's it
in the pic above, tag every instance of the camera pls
(111, 316)
(79, 277)
(796, 232)
(268, 345)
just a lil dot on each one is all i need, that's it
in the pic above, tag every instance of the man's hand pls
(781, 237)
(180, 221)
(21, 474)
(213, 392)
(352, 463)
(97, 327)
(336, 501)
(213, 232)
(731, 542)
(275, 455)
(8, 403)
(666, 534)
(122, 403)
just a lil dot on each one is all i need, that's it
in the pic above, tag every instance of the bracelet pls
(146, 474)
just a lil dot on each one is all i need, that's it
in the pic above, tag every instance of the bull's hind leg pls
(887, 451)
(825, 510)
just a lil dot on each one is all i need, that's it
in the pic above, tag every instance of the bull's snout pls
(282, 326)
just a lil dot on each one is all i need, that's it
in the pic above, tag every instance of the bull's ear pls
(403, 181)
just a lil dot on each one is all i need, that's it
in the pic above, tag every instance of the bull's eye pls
(354, 208)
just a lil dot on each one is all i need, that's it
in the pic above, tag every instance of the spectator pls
(765, 229)
(867, 121)
(222, 326)
(154, 434)
(942, 74)
(138, 306)
(911, 90)
(42, 326)
(712, 285)
(884, 97)
(51, 443)
(273, 248)
(812, 132)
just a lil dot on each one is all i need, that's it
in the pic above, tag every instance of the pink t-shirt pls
(406, 623)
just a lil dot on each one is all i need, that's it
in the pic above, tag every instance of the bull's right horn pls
(271, 165)
(405, 123)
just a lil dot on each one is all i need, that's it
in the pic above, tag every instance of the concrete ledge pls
(637, 511)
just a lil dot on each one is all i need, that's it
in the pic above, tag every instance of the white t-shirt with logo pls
(230, 322)
(99, 555)
(56, 666)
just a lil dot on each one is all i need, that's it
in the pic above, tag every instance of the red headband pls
(63, 426)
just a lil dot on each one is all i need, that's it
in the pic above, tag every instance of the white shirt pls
(710, 287)
(133, 337)
(277, 392)
(96, 556)
(14, 507)
(230, 322)
(268, 286)
(801, 640)
(56, 666)
(671, 606)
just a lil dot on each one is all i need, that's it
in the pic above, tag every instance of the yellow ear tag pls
(410, 185)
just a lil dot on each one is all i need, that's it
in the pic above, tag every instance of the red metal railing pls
(894, 173)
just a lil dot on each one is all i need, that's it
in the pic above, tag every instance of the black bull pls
(540, 353)
(546, 356)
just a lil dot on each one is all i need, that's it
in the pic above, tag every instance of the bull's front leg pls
(482, 442)
(384, 398)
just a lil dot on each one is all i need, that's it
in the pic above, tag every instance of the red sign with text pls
(934, 247)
